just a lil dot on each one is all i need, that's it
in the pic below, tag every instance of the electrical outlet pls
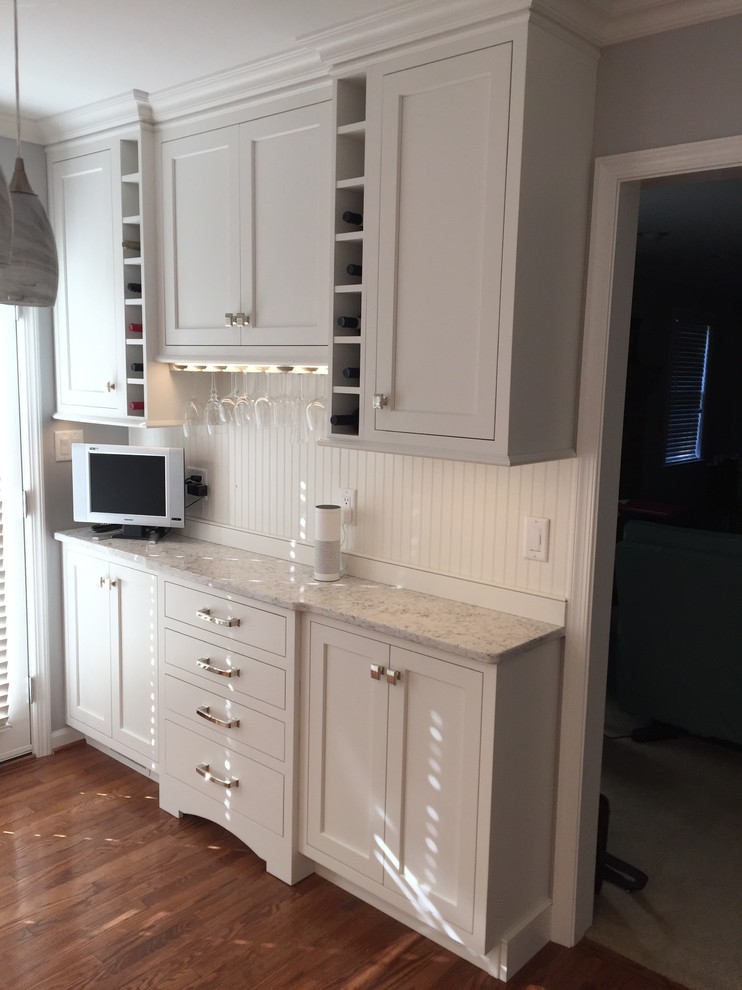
(347, 504)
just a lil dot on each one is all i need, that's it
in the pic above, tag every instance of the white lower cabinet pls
(111, 654)
(428, 787)
(227, 722)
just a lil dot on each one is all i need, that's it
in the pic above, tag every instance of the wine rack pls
(133, 273)
(346, 352)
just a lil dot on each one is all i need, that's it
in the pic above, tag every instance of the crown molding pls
(127, 110)
(625, 20)
(272, 75)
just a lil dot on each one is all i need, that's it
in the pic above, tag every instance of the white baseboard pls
(64, 737)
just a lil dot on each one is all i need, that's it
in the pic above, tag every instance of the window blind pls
(689, 359)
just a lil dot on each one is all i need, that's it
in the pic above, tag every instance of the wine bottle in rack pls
(135, 328)
(345, 419)
(354, 270)
(131, 245)
(136, 405)
(134, 287)
(351, 372)
(355, 219)
(136, 366)
(349, 322)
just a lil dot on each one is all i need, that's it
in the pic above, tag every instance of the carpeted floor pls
(676, 814)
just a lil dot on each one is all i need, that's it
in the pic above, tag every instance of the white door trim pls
(30, 363)
(605, 347)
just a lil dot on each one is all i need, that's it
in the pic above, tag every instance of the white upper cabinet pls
(444, 146)
(477, 174)
(89, 309)
(246, 242)
(102, 212)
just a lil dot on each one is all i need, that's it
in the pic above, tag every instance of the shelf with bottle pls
(348, 227)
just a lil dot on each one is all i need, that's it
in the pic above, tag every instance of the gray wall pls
(671, 88)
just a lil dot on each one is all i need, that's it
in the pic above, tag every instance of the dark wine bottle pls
(354, 269)
(135, 328)
(345, 419)
(349, 322)
(136, 405)
(353, 218)
(133, 286)
(351, 372)
(136, 366)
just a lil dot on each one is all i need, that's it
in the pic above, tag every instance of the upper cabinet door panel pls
(201, 207)
(285, 232)
(285, 226)
(444, 144)
(87, 322)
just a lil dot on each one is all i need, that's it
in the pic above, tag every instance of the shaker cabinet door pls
(444, 146)
(90, 298)
(201, 237)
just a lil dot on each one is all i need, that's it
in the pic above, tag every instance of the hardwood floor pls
(99, 888)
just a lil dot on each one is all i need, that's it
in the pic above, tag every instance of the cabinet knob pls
(229, 319)
(392, 676)
(377, 671)
(380, 400)
(110, 386)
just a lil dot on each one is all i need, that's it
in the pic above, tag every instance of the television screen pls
(128, 485)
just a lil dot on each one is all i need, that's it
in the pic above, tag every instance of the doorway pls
(614, 226)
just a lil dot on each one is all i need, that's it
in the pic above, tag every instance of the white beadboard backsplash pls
(452, 518)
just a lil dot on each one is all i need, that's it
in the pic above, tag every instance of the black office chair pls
(609, 867)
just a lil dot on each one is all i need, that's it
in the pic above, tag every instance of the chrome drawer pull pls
(205, 712)
(377, 671)
(392, 676)
(204, 664)
(205, 614)
(203, 770)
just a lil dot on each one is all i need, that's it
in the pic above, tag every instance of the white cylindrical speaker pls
(327, 542)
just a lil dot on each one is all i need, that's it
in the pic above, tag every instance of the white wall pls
(448, 517)
(670, 88)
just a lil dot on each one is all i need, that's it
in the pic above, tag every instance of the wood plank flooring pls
(99, 888)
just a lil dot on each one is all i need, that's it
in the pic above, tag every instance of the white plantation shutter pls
(690, 344)
(4, 672)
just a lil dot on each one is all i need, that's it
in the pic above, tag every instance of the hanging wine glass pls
(244, 406)
(212, 410)
(193, 416)
(264, 405)
(283, 404)
(299, 430)
(315, 415)
(228, 403)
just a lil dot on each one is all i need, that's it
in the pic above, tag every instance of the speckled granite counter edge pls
(439, 623)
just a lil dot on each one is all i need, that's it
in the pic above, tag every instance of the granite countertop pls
(441, 623)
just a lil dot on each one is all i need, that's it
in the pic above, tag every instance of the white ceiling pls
(77, 52)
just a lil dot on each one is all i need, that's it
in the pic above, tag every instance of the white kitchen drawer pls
(235, 722)
(243, 675)
(227, 617)
(256, 792)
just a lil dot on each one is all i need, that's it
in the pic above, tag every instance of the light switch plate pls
(63, 440)
(536, 538)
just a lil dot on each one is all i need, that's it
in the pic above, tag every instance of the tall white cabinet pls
(111, 653)
(245, 234)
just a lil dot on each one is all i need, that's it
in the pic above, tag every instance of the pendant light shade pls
(6, 221)
(31, 274)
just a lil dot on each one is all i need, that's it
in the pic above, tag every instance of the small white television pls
(137, 488)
